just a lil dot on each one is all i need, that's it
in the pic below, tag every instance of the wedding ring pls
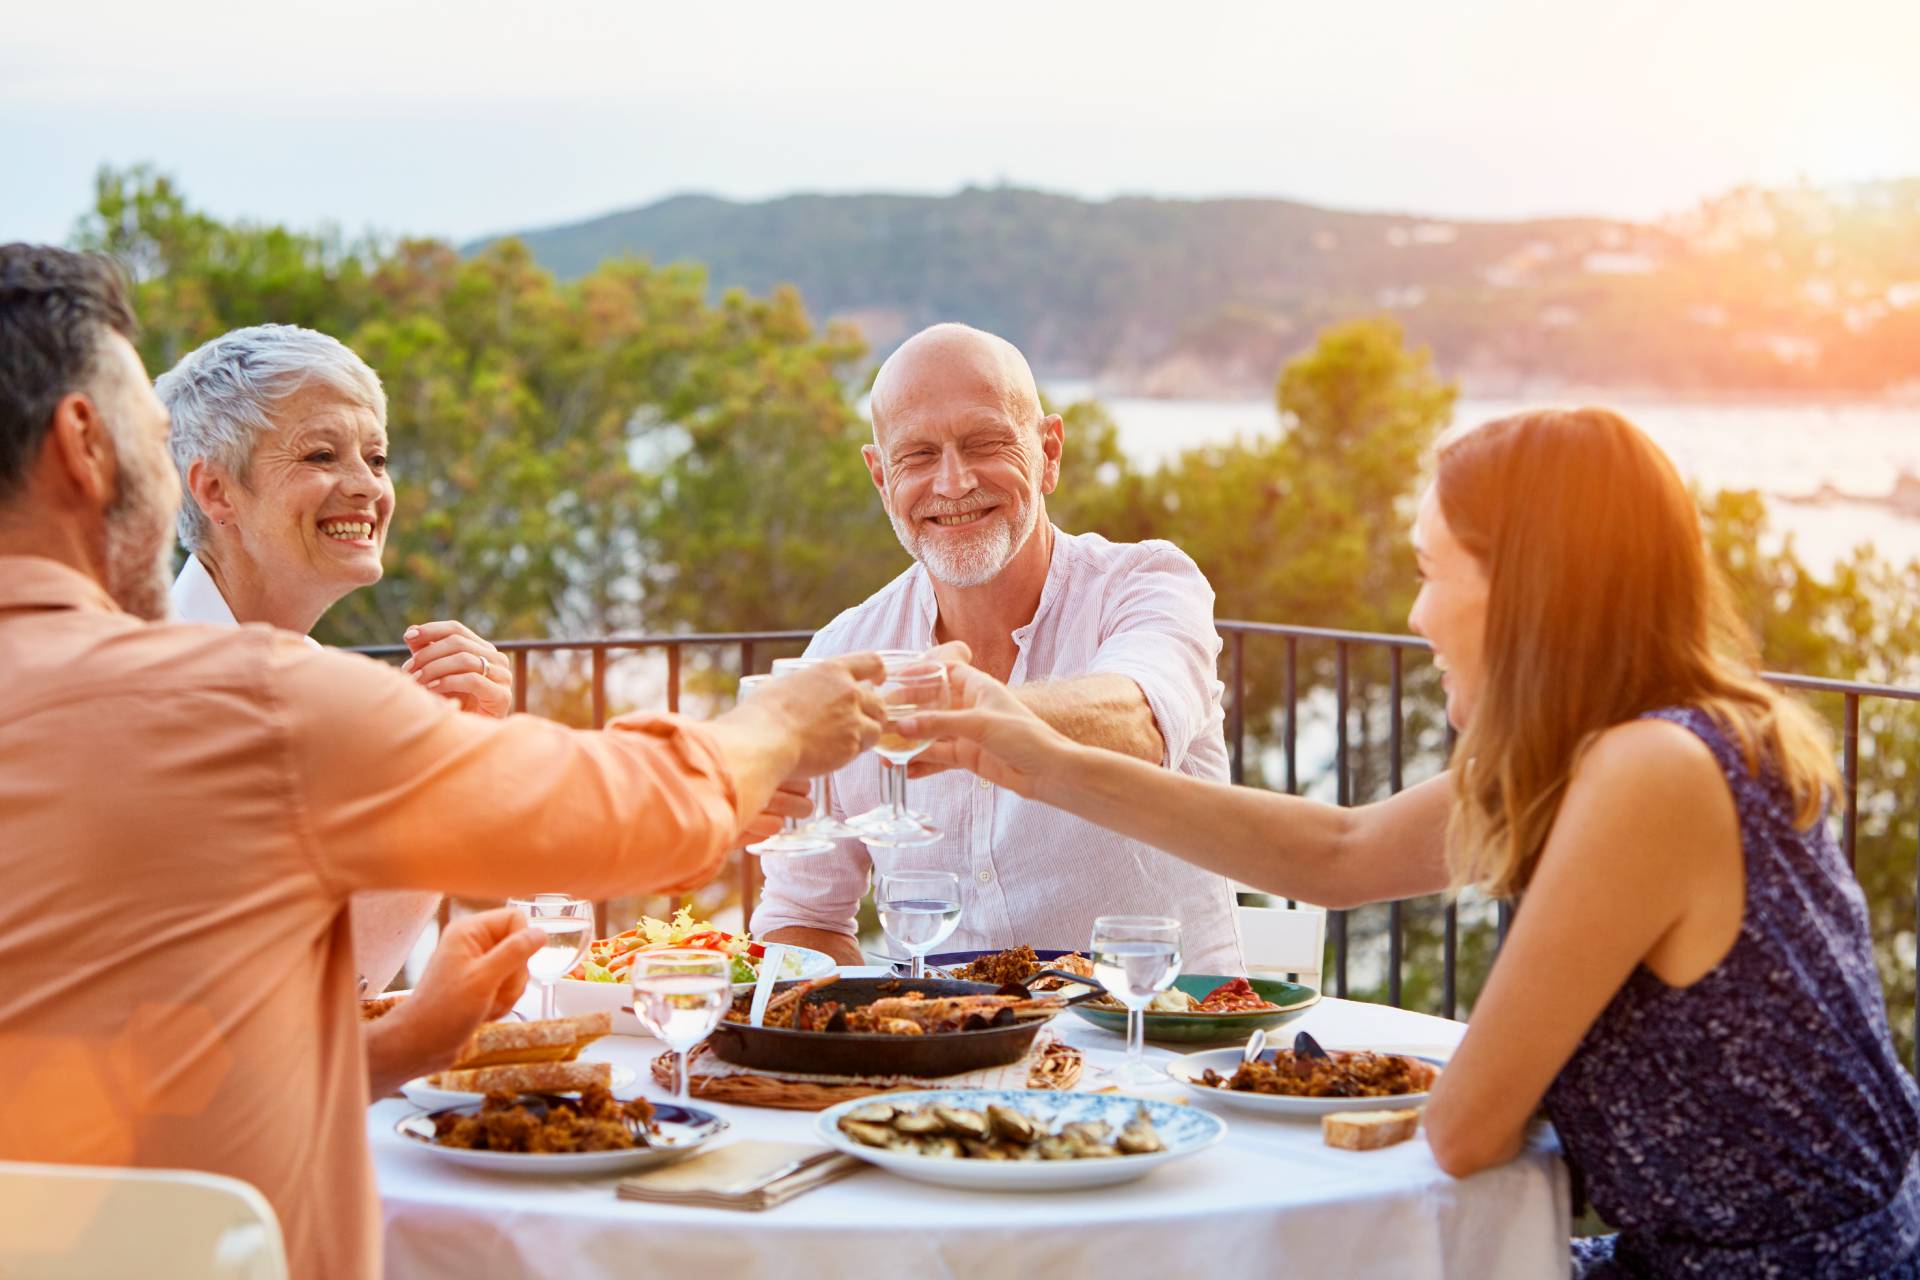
(486, 667)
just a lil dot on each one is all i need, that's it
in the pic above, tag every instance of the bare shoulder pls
(1663, 768)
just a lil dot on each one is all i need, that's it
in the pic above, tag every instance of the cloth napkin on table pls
(748, 1174)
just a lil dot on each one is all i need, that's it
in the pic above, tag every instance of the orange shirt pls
(184, 811)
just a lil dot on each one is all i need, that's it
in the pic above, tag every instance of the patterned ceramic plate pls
(1184, 1130)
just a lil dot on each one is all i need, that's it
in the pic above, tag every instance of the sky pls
(459, 119)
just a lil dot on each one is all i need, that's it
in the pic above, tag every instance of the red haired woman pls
(1688, 987)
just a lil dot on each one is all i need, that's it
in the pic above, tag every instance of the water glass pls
(792, 838)
(913, 683)
(821, 822)
(679, 995)
(918, 911)
(568, 924)
(1135, 958)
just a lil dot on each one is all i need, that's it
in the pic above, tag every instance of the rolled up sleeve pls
(396, 789)
(820, 891)
(1157, 630)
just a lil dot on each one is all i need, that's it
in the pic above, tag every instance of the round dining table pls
(1271, 1199)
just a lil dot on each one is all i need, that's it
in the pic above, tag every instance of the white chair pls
(1281, 941)
(77, 1222)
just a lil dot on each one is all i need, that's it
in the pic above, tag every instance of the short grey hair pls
(224, 393)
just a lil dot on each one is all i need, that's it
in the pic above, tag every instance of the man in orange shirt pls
(185, 810)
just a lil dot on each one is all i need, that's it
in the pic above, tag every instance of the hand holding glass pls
(568, 924)
(679, 996)
(792, 838)
(913, 683)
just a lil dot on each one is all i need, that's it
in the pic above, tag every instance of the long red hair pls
(1602, 606)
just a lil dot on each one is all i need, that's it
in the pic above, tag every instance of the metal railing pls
(752, 645)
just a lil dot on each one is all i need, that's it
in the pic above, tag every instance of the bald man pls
(1112, 643)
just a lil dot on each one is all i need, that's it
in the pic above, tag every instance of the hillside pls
(1757, 291)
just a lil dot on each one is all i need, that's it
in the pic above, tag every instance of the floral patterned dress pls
(1757, 1122)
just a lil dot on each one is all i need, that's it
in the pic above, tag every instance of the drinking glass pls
(913, 683)
(1135, 958)
(568, 924)
(918, 911)
(821, 822)
(791, 838)
(679, 996)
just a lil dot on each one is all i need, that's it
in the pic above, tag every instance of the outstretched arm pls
(1100, 710)
(1319, 853)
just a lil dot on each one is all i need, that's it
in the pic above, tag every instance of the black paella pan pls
(841, 1053)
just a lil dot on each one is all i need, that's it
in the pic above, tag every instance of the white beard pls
(979, 558)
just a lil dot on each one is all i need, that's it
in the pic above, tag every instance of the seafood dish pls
(909, 1013)
(996, 1132)
(544, 1124)
(1236, 995)
(1020, 964)
(1341, 1073)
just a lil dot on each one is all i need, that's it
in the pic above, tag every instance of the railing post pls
(1343, 788)
(1396, 779)
(599, 686)
(1450, 948)
(1293, 715)
(673, 676)
(520, 679)
(1237, 665)
(1850, 776)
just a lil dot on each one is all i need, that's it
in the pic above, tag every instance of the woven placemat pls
(1050, 1064)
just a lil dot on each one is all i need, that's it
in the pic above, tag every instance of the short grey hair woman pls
(280, 437)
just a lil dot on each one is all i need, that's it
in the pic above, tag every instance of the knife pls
(770, 966)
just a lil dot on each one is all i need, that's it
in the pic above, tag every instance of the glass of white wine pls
(821, 822)
(1135, 958)
(918, 911)
(913, 683)
(568, 925)
(679, 996)
(792, 838)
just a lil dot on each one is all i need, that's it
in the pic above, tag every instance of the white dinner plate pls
(576, 995)
(1184, 1130)
(433, 1098)
(1187, 1071)
(681, 1131)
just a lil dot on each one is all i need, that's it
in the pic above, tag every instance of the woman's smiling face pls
(1451, 609)
(317, 498)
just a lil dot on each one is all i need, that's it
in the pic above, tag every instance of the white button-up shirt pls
(1030, 873)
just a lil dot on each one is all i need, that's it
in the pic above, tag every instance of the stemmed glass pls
(679, 996)
(1135, 958)
(913, 683)
(821, 822)
(792, 838)
(568, 924)
(918, 911)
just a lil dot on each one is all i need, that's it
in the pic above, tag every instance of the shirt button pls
(985, 877)
(984, 784)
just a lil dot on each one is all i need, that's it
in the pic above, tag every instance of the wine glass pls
(821, 822)
(568, 924)
(791, 839)
(918, 911)
(1135, 958)
(679, 996)
(912, 683)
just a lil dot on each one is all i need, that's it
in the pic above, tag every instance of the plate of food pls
(1017, 1140)
(885, 1026)
(1307, 1080)
(522, 1057)
(1203, 1008)
(1014, 964)
(600, 981)
(540, 1133)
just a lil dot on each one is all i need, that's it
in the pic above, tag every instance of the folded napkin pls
(748, 1174)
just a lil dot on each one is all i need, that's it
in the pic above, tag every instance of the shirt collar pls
(196, 597)
(35, 582)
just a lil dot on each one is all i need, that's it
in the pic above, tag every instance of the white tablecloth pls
(1270, 1197)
